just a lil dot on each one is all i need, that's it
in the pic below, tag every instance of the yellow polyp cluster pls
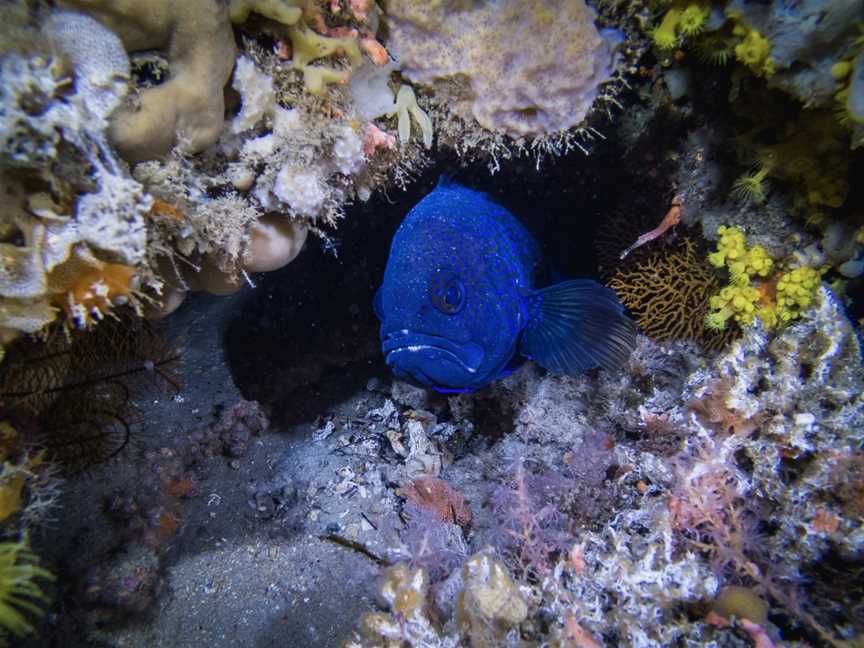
(812, 152)
(693, 19)
(682, 19)
(742, 262)
(754, 51)
(753, 292)
(795, 292)
(737, 302)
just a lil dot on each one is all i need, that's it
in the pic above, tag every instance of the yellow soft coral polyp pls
(754, 51)
(741, 261)
(795, 292)
(685, 18)
(753, 293)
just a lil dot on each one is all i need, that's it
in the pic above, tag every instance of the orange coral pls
(166, 211)
(95, 292)
(438, 496)
(824, 521)
(375, 50)
(712, 410)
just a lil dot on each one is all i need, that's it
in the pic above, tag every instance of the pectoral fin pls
(577, 325)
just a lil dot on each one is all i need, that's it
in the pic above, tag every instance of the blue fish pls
(460, 308)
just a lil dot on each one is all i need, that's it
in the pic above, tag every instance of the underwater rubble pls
(201, 442)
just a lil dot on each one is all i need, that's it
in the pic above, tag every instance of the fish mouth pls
(422, 352)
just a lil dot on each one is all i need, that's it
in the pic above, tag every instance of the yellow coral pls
(736, 302)
(18, 588)
(665, 35)
(775, 300)
(795, 292)
(812, 152)
(684, 18)
(754, 51)
(693, 19)
(742, 262)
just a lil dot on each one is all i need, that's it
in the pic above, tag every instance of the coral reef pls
(707, 492)
(206, 199)
(758, 439)
(802, 58)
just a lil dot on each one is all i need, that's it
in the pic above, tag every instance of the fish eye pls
(446, 292)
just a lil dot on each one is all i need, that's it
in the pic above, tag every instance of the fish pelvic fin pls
(577, 325)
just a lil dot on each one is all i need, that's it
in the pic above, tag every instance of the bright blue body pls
(459, 291)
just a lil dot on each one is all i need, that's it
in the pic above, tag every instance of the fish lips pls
(431, 359)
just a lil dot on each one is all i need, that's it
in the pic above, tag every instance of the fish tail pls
(577, 325)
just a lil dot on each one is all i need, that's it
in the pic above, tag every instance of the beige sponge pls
(532, 67)
(188, 109)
